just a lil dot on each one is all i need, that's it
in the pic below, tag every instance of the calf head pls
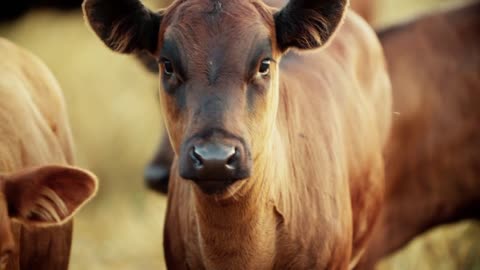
(219, 68)
(42, 196)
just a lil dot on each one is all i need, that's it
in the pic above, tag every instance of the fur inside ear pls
(308, 24)
(123, 25)
(48, 195)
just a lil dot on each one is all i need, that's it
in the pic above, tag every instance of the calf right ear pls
(124, 26)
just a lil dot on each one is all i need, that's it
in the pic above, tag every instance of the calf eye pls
(264, 68)
(167, 67)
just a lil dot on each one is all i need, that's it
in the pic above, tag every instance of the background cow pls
(33, 194)
(433, 156)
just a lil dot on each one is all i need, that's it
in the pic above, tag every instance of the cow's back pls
(435, 67)
(35, 131)
(434, 64)
(433, 154)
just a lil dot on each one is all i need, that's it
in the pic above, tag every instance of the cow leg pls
(157, 171)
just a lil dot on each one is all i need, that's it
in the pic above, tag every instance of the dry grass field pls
(116, 123)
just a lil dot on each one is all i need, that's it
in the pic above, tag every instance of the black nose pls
(213, 161)
(214, 166)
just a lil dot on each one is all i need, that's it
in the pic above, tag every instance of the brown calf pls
(34, 132)
(156, 173)
(278, 154)
(433, 156)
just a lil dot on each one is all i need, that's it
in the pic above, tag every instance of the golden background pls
(116, 124)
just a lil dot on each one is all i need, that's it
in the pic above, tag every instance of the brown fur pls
(156, 172)
(35, 132)
(135, 32)
(364, 8)
(433, 156)
(322, 165)
(314, 129)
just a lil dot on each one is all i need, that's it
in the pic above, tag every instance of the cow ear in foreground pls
(308, 24)
(48, 195)
(123, 25)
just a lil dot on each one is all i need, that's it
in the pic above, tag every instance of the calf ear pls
(308, 24)
(123, 25)
(48, 195)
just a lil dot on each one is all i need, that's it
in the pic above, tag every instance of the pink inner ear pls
(49, 194)
(68, 190)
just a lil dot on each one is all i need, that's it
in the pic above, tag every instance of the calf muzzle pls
(214, 166)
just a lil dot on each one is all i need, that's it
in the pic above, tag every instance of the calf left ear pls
(123, 25)
(308, 24)
(48, 195)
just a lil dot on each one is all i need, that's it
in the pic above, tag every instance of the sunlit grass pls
(115, 118)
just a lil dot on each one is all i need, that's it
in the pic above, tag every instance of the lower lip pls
(213, 187)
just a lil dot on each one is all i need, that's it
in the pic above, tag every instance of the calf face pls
(219, 72)
(42, 196)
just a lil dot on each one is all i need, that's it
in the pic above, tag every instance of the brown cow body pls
(278, 155)
(319, 183)
(34, 132)
(433, 156)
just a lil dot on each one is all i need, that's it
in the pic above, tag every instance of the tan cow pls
(34, 194)
(433, 157)
(278, 153)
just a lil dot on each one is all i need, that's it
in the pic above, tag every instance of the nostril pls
(232, 159)
(196, 158)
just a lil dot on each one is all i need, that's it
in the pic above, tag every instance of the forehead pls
(212, 24)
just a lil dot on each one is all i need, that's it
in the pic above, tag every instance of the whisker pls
(232, 193)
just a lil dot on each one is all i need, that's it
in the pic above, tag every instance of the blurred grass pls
(116, 123)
